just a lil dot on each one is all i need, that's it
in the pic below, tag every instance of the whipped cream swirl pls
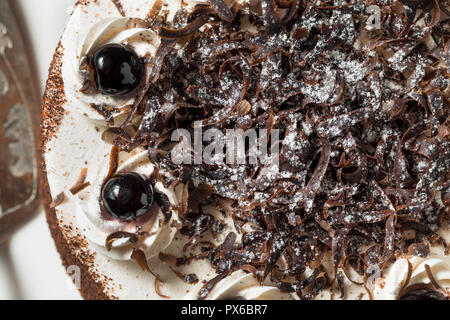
(240, 286)
(96, 227)
(131, 32)
(439, 266)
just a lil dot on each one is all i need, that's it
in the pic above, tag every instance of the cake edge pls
(51, 117)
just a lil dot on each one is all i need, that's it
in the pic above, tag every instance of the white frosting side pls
(96, 228)
(240, 285)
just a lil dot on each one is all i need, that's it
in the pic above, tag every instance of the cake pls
(150, 194)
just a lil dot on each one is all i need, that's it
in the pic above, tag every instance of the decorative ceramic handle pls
(19, 121)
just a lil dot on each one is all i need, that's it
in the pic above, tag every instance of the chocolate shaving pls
(113, 162)
(163, 50)
(188, 278)
(106, 112)
(369, 292)
(169, 259)
(78, 188)
(139, 257)
(346, 272)
(418, 4)
(206, 289)
(80, 184)
(164, 203)
(186, 31)
(278, 246)
(317, 177)
(119, 235)
(198, 250)
(191, 278)
(419, 249)
(340, 281)
(158, 289)
(338, 246)
(196, 196)
(154, 11)
(271, 17)
(184, 200)
(293, 8)
(389, 241)
(210, 55)
(432, 280)
(408, 276)
(119, 7)
(222, 9)
(86, 85)
(59, 199)
(410, 224)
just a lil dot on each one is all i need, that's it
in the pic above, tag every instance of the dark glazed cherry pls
(422, 294)
(127, 196)
(118, 69)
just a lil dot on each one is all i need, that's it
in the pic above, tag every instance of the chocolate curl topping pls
(389, 242)
(214, 97)
(431, 277)
(316, 179)
(154, 12)
(119, 7)
(222, 9)
(185, 31)
(81, 183)
(338, 245)
(418, 4)
(139, 257)
(407, 277)
(59, 199)
(341, 285)
(209, 286)
(190, 28)
(278, 246)
(363, 123)
(293, 8)
(422, 291)
(158, 289)
(113, 162)
(120, 235)
(271, 17)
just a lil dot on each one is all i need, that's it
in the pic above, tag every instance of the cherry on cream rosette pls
(129, 210)
(239, 286)
(106, 65)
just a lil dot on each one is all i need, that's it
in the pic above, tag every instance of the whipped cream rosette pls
(412, 271)
(154, 229)
(98, 32)
(240, 286)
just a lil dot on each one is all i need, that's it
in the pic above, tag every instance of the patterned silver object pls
(19, 123)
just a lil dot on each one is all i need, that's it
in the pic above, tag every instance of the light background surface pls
(40, 274)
